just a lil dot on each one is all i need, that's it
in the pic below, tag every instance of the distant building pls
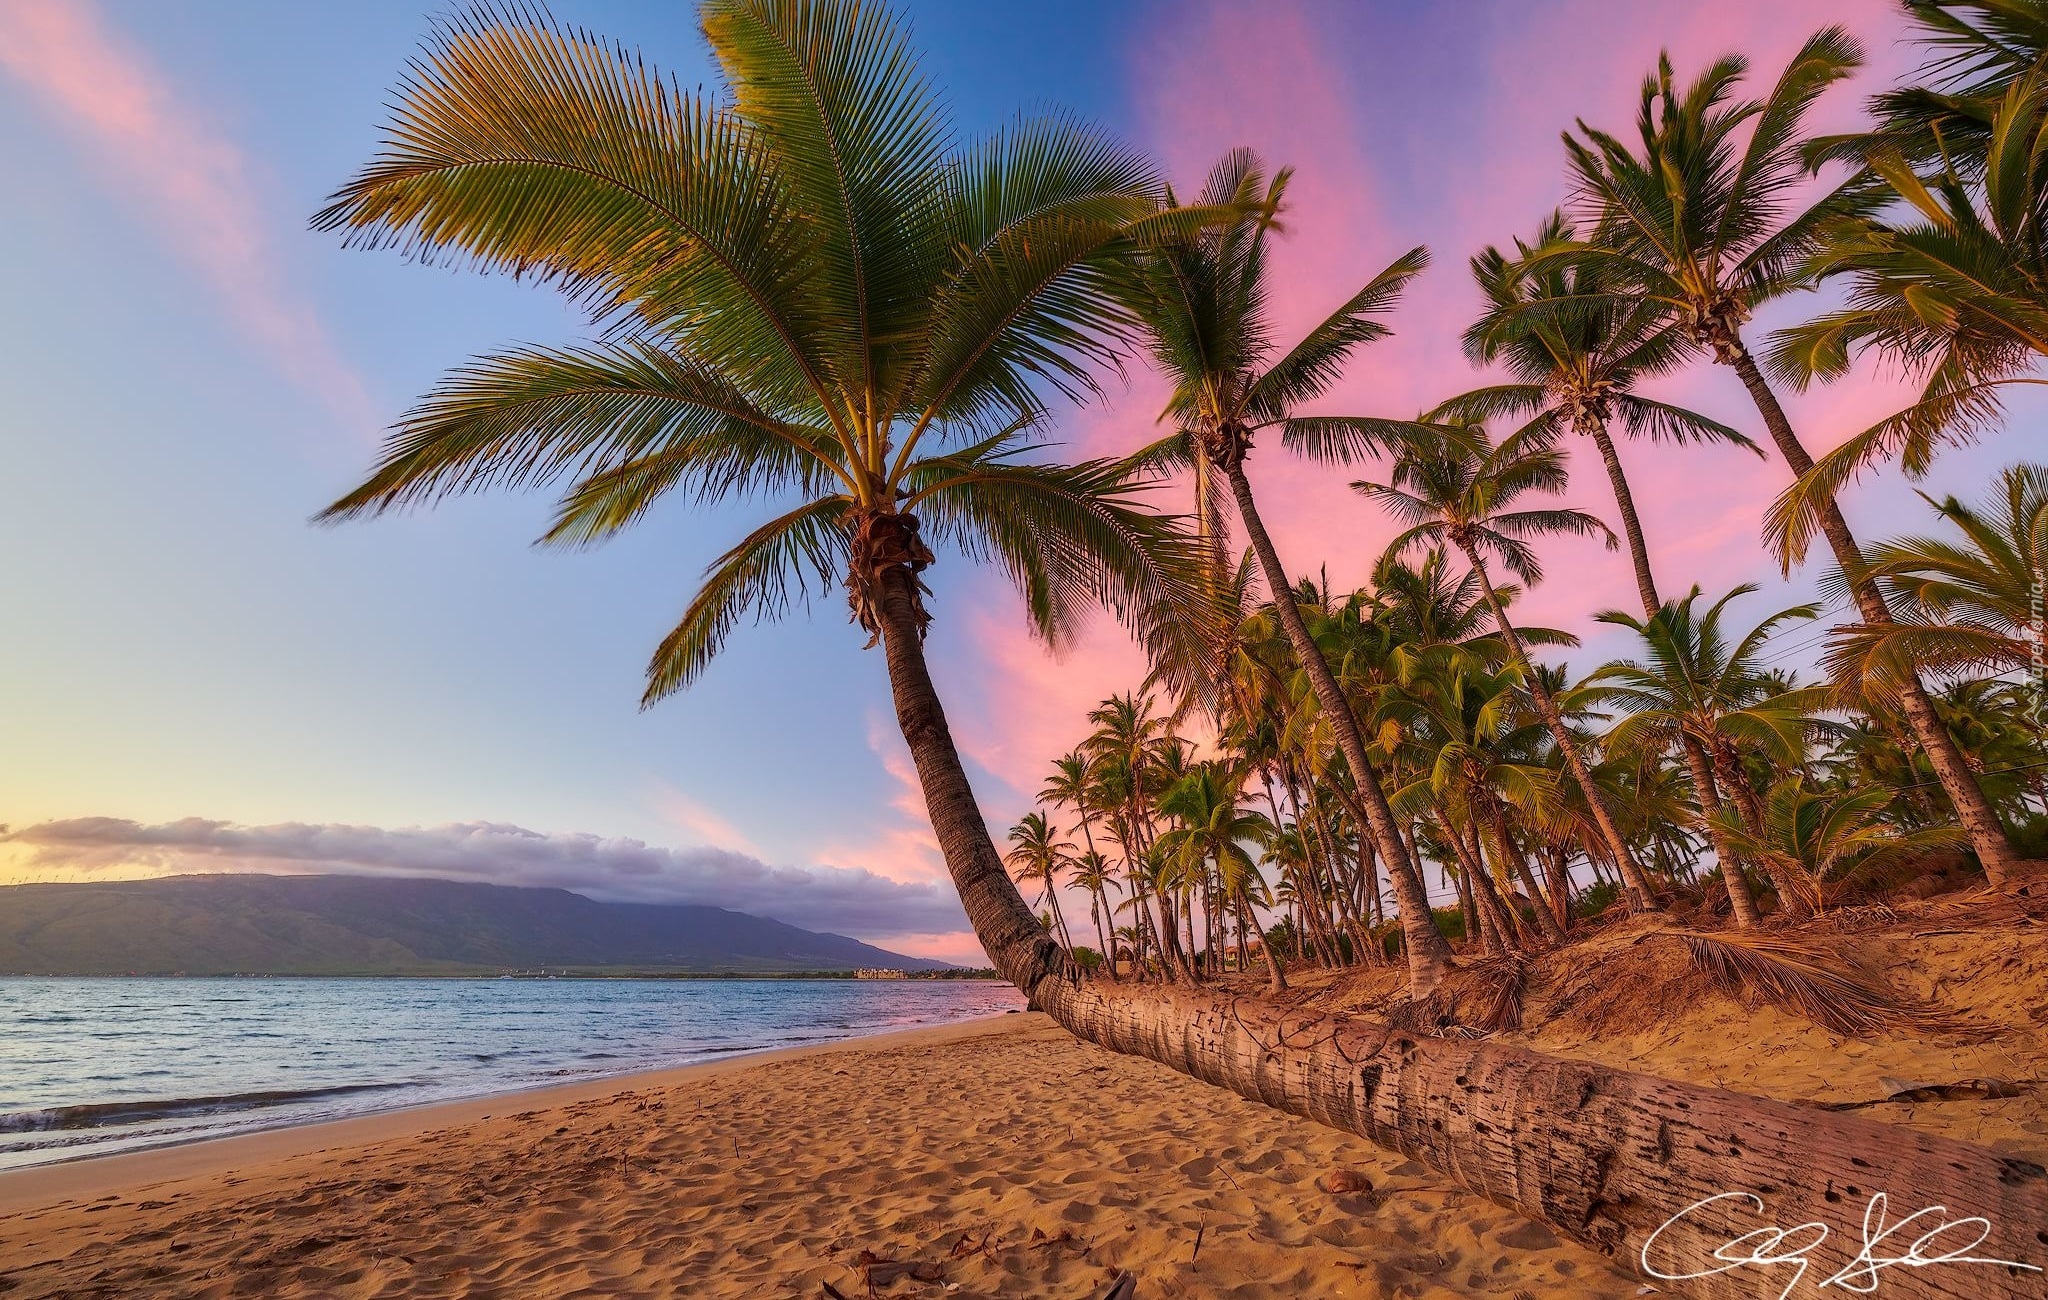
(875, 973)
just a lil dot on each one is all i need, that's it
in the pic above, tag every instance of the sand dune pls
(1005, 1155)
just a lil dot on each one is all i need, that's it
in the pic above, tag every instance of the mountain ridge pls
(255, 924)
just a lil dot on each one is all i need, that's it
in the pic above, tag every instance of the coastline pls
(1001, 1155)
(30, 1187)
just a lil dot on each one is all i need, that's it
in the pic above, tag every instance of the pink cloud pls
(193, 182)
(960, 947)
(898, 845)
(705, 824)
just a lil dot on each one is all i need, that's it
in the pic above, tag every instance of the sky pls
(193, 677)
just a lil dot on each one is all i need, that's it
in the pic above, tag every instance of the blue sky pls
(192, 372)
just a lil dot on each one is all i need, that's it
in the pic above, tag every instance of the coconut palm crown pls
(803, 289)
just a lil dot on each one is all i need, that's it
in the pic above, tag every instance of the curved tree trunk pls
(1750, 811)
(1973, 810)
(1739, 898)
(1631, 526)
(1427, 952)
(1615, 1160)
(1641, 898)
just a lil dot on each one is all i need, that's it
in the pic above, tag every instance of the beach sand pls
(1003, 1157)
(1017, 1160)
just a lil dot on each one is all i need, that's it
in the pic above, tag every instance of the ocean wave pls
(106, 1114)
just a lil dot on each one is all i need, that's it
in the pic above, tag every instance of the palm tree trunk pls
(1108, 948)
(1513, 858)
(1739, 897)
(1097, 904)
(1052, 903)
(1557, 870)
(1276, 978)
(1496, 930)
(1749, 809)
(1640, 896)
(1631, 526)
(1428, 954)
(1973, 810)
(1165, 929)
(1604, 1156)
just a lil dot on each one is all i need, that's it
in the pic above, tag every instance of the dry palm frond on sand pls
(1504, 981)
(1797, 979)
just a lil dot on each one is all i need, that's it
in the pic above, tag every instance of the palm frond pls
(1313, 364)
(764, 574)
(1801, 980)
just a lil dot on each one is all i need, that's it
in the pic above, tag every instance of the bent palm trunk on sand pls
(1604, 1156)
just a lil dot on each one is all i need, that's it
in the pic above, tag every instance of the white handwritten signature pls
(1772, 1245)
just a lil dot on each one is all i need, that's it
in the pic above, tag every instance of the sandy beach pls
(1002, 1154)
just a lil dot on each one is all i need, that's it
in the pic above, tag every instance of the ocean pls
(97, 1065)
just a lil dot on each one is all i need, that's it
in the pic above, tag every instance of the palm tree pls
(1072, 785)
(1813, 837)
(1701, 221)
(1972, 603)
(1203, 303)
(1952, 289)
(1577, 351)
(1455, 485)
(1698, 685)
(1042, 856)
(1123, 753)
(1213, 831)
(1480, 750)
(1976, 50)
(806, 293)
(1093, 873)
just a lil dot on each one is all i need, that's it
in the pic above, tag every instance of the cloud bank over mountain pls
(842, 900)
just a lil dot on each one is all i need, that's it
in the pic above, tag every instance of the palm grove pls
(808, 293)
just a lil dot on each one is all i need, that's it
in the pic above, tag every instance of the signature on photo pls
(1922, 1239)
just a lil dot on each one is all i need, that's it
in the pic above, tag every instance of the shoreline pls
(42, 1186)
(1000, 1156)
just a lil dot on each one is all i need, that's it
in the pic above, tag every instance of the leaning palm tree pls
(1577, 352)
(806, 295)
(806, 291)
(1202, 299)
(1454, 484)
(1706, 222)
